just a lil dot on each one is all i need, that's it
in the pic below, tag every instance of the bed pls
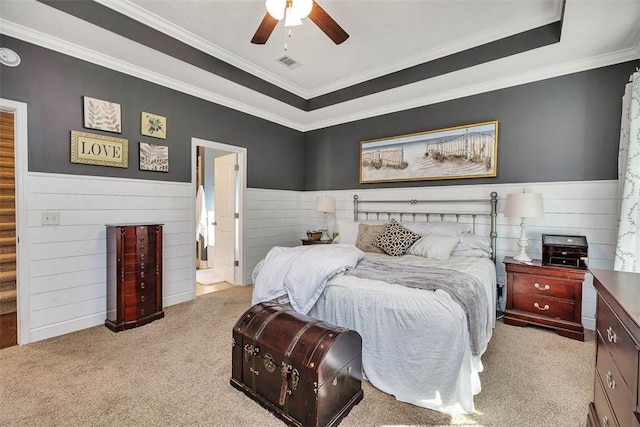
(423, 332)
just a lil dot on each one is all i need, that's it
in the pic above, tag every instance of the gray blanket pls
(464, 288)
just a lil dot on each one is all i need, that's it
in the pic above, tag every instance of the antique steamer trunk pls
(306, 372)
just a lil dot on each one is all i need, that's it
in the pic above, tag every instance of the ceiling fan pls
(293, 11)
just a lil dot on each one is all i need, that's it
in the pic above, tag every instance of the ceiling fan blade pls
(264, 29)
(327, 24)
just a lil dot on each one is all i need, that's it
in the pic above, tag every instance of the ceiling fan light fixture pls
(291, 18)
(276, 8)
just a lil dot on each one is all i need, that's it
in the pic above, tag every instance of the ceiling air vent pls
(288, 62)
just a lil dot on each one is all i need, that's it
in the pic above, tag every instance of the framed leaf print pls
(153, 125)
(102, 115)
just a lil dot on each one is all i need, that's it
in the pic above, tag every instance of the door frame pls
(20, 141)
(242, 187)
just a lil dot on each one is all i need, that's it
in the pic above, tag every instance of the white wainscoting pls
(67, 262)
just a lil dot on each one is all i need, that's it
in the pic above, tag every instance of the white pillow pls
(474, 253)
(472, 241)
(434, 246)
(348, 230)
(443, 228)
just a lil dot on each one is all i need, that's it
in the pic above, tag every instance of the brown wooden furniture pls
(134, 275)
(316, 242)
(616, 396)
(306, 372)
(546, 296)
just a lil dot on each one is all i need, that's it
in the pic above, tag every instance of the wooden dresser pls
(616, 396)
(546, 296)
(134, 275)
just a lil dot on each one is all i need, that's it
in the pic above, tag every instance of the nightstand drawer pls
(616, 391)
(545, 306)
(618, 342)
(541, 285)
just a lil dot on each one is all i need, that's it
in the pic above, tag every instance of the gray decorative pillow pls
(367, 233)
(395, 239)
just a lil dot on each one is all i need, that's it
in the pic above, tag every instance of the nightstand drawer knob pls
(611, 336)
(536, 305)
(542, 288)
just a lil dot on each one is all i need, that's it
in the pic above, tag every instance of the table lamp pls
(325, 205)
(523, 206)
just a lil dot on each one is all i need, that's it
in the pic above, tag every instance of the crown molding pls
(489, 86)
(158, 23)
(61, 46)
(49, 42)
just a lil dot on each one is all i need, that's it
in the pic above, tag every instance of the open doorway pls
(219, 187)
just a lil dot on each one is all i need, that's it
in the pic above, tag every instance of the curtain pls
(628, 243)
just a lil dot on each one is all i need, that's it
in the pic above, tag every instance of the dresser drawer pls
(133, 244)
(603, 410)
(543, 305)
(616, 390)
(130, 260)
(541, 285)
(139, 311)
(135, 282)
(139, 299)
(619, 343)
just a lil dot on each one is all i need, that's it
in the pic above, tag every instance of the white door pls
(225, 218)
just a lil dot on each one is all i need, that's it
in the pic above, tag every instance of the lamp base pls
(522, 257)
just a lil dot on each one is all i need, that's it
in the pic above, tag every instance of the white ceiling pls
(385, 36)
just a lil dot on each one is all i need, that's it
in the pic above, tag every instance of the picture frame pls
(100, 150)
(466, 151)
(102, 115)
(153, 125)
(154, 157)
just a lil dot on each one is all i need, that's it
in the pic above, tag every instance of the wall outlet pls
(50, 218)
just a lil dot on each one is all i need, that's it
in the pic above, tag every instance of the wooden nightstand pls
(546, 296)
(316, 242)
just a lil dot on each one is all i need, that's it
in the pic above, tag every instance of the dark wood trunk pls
(306, 372)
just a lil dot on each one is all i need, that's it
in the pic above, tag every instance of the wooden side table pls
(546, 296)
(316, 242)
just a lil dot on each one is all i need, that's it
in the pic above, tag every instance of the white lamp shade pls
(325, 204)
(524, 205)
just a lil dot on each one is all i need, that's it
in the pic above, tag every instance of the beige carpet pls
(175, 372)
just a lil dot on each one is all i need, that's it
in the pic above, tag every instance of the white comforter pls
(298, 275)
(415, 343)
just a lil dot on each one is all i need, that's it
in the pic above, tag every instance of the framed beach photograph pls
(154, 157)
(153, 125)
(102, 115)
(468, 151)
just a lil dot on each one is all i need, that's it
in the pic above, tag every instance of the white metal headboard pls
(492, 203)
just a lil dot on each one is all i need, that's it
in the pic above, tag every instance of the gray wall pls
(53, 85)
(562, 129)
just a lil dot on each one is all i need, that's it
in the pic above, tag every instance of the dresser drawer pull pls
(611, 336)
(142, 312)
(142, 285)
(142, 274)
(141, 256)
(142, 265)
(610, 382)
(542, 288)
(546, 306)
(605, 421)
(142, 298)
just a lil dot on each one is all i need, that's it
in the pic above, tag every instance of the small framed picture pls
(154, 157)
(153, 125)
(102, 115)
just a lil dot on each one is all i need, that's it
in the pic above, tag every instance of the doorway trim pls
(19, 110)
(242, 184)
